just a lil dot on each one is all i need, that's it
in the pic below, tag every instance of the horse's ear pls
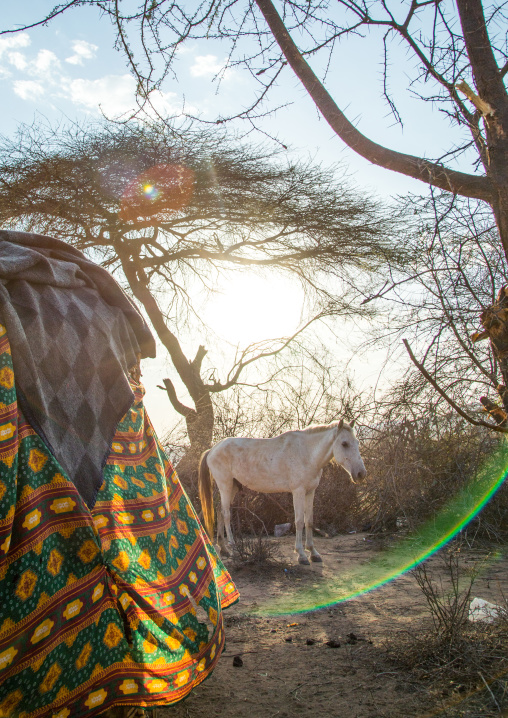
(341, 424)
(352, 423)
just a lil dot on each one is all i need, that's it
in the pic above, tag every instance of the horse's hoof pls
(303, 561)
(316, 558)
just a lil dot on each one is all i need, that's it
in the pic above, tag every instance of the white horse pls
(292, 462)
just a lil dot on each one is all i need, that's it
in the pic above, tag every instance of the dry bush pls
(336, 502)
(448, 604)
(416, 466)
(255, 551)
(452, 655)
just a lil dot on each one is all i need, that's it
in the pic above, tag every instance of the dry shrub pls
(255, 551)
(448, 599)
(253, 512)
(449, 653)
(414, 467)
(336, 501)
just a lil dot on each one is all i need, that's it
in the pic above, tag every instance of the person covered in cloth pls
(111, 594)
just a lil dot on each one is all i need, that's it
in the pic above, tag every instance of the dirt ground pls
(290, 668)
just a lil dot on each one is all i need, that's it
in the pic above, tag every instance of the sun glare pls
(251, 308)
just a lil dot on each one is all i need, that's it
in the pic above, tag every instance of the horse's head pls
(346, 451)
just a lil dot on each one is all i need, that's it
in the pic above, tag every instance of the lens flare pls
(150, 191)
(158, 192)
(409, 552)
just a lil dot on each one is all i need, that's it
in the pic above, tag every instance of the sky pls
(69, 71)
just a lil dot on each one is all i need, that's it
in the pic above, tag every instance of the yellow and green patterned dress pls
(121, 605)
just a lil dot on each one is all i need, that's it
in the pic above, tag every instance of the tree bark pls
(491, 90)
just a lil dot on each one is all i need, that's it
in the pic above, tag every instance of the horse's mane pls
(317, 428)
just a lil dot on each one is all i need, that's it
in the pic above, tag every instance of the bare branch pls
(175, 402)
(483, 107)
(419, 168)
(447, 398)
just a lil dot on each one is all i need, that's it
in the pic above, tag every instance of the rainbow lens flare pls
(404, 556)
(157, 193)
(150, 191)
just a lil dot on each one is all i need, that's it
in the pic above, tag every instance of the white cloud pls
(44, 63)
(10, 42)
(28, 89)
(206, 65)
(114, 94)
(36, 75)
(18, 60)
(82, 51)
(166, 104)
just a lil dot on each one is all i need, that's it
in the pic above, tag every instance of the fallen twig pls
(490, 691)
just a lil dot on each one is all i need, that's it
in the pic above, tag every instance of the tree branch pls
(198, 359)
(175, 402)
(445, 396)
(417, 167)
(483, 107)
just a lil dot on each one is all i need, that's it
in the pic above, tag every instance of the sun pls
(250, 308)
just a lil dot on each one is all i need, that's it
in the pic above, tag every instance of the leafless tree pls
(435, 301)
(169, 213)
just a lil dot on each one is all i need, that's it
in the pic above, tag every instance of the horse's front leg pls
(299, 504)
(309, 520)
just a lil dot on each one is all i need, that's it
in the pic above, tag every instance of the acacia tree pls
(170, 213)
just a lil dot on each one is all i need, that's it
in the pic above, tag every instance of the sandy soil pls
(288, 669)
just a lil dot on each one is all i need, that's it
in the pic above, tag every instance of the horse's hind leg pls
(299, 504)
(220, 532)
(309, 520)
(227, 494)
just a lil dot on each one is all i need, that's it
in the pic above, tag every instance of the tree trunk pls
(200, 431)
(492, 93)
(500, 209)
(199, 420)
(495, 322)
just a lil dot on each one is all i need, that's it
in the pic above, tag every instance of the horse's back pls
(261, 464)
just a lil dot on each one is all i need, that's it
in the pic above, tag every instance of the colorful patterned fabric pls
(75, 335)
(118, 606)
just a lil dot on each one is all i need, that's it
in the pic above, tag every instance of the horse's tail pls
(206, 493)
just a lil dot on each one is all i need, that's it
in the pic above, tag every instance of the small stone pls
(333, 644)
(237, 662)
(281, 530)
(288, 639)
(310, 641)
